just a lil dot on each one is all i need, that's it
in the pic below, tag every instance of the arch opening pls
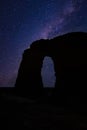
(48, 73)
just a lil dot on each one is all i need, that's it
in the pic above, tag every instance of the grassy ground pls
(22, 113)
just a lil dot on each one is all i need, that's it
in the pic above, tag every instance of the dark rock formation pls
(69, 54)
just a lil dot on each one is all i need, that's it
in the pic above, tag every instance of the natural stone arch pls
(69, 54)
(48, 72)
(29, 74)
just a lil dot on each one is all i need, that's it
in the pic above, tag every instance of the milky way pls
(24, 21)
(67, 16)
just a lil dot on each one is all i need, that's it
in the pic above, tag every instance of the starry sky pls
(24, 21)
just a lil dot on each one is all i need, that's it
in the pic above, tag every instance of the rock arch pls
(69, 54)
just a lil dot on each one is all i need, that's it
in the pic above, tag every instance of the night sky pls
(24, 21)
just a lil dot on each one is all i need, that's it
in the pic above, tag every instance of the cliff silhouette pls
(69, 55)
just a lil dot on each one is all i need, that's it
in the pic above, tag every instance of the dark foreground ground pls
(18, 112)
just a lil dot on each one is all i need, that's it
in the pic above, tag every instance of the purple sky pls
(24, 21)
